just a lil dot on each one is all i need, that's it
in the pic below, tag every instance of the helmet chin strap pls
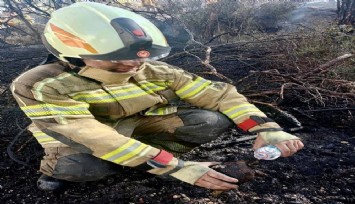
(138, 60)
(76, 61)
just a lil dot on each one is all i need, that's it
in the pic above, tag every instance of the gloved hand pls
(287, 143)
(199, 174)
(195, 173)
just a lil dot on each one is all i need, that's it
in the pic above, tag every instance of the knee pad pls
(201, 126)
(83, 167)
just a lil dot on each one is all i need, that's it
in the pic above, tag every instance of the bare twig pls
(9, 147)
(330, 109)
(219, 76)
(2, 92)
(217, 36)
(24, 144)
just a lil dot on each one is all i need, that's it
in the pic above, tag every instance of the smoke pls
(307, 9)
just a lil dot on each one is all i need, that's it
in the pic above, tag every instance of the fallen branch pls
(321, 68)
(262, 93)
(280, 113)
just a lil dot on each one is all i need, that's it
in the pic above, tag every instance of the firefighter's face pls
(123, 66)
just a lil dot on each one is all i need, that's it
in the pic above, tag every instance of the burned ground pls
(323, 172)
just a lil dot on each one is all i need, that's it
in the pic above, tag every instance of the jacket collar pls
(107, 77)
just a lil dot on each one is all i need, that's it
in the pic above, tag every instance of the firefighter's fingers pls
(216, 181)
(289, 147)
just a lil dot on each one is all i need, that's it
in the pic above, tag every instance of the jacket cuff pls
(165, 164)
(255, 124)
(274, 137)
(190, 173)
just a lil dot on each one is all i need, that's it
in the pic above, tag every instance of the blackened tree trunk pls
(346, 12)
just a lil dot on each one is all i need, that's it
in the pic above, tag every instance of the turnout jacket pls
(79, 109)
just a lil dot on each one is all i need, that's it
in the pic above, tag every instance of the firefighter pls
(107, 102)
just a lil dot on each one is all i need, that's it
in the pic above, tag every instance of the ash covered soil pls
(323, 172)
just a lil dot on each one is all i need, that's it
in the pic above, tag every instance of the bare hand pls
(287, 147)
(215, 180)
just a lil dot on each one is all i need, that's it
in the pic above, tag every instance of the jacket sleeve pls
(222, 97)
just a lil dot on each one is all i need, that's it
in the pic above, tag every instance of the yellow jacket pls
(79, 108)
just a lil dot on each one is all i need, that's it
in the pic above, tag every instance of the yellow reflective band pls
(96, 96)
(162, 111)
(132, 95)
(180, 91)
(240, 113)
(41, 137)
(45, 140)
(118, 93)
(193, 88)
(239, 110)
(36, 134)
(197, 90)
(127, 93)
(158, 111)
(131, 154)
(54, 106)
(238, 107)
(95, 99)
(141, 154)
(117, 90)
(118, 150)
(50, 109)
(151, 87)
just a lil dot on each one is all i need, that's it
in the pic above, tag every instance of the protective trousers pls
(177, 133)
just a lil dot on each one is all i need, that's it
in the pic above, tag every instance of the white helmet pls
(88, 30)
